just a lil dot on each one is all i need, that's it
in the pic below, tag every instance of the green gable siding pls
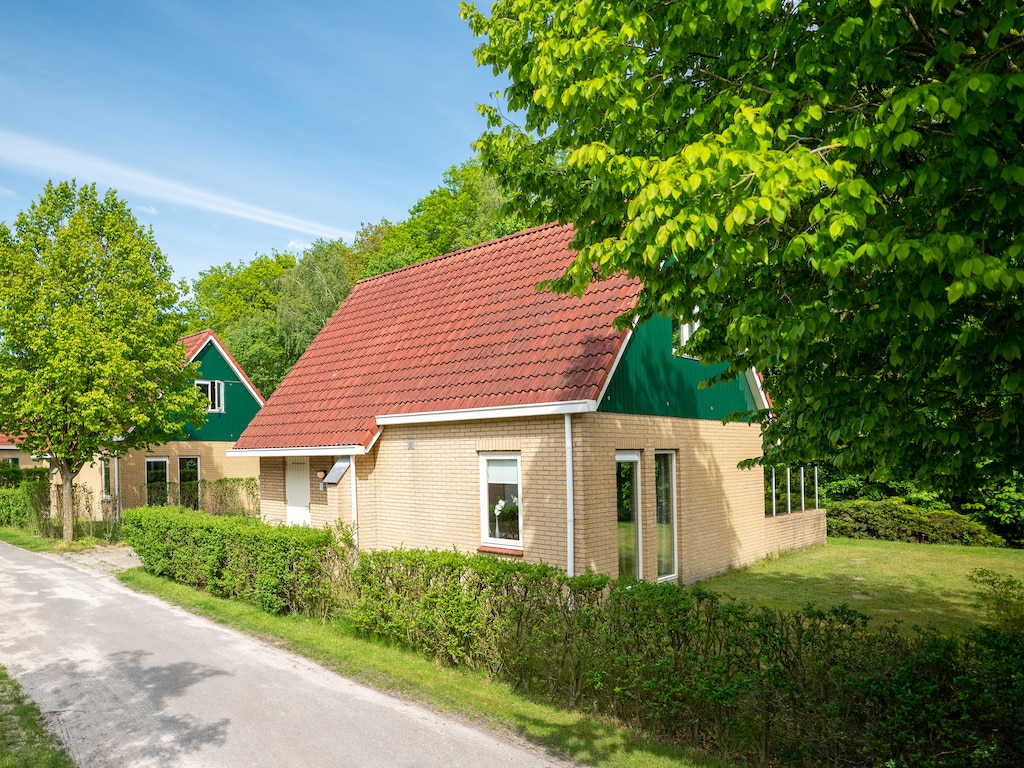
(651, 381)
(239, 404)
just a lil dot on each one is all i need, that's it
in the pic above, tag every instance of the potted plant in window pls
(507, 511)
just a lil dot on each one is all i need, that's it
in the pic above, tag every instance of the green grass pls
(21, 537)
(465, 693)
(24, 741)
(916, 584)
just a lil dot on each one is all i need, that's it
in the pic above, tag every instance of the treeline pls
(269, 309)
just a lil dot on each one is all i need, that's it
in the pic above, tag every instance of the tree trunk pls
(67, 502)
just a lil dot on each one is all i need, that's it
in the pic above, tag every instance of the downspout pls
(570, 520)
(117, 487)
(355, 512)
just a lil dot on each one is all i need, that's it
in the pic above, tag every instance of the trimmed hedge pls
(280, 569)
(809, 688)
(15, 507)
(893, 519)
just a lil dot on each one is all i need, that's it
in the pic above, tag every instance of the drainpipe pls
(117, 488)
(355, 512)
(570, 521)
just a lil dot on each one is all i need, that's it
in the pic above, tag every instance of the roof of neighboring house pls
(468, 330)
(196, 342)
(7, 442)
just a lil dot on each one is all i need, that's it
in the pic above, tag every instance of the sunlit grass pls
(916, 584)
(24, 741)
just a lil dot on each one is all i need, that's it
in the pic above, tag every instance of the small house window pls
(501, 500)
(107, 484)
(683, 332)
(214, 391)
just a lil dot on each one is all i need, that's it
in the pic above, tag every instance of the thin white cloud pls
(24, 152)
(7, 192)
(297, 246)
(146, 209)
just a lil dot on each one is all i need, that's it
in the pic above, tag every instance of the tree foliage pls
(88, 334)
(312, 291)
(833, 188)
(222, 295)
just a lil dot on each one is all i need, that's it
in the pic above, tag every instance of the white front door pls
(296, 489)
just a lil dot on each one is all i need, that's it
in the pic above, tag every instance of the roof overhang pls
(757, 390)
(319, 450)
(481, 414)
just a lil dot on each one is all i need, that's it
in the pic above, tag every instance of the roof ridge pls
(486, 243)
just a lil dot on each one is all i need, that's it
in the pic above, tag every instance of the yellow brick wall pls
(420, 487)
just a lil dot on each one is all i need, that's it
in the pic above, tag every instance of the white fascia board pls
(335, 450)
(615, 364)
(480, 414)
(760, 398)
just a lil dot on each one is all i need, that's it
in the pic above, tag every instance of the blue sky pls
(237, 128)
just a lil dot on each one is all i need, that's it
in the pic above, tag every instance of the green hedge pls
(809, 688)
(893, 519)
(15, 507)
(280, 569)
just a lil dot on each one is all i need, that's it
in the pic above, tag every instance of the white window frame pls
(635, 457)
(485, 511)
(214, 391)
(106, 479)
(686, 331)
(675, 513)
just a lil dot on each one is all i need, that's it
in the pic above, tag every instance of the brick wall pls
(798, 530)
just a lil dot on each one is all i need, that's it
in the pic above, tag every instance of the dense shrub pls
(15, 507)
(10, 475)
(893, 519)
(999, 505)
(279, 569)
(799, 688)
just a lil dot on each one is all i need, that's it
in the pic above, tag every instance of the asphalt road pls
(127, 680)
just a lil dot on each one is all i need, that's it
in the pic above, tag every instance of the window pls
(684, 332)
(665, 492)
(214, 391)
(156, 482)
(627, 493)
(188, 481)
(105, 471)
(501, 494)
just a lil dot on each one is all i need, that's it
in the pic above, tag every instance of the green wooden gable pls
(239, 405)
(650, 380)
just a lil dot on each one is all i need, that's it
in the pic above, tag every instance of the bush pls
(809, 688)
(893, 519)
(1001, 506)
(15, 507)
(10, 475)
(279, 569)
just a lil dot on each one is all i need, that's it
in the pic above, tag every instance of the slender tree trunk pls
(67, 502)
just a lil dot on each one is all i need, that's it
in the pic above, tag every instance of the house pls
(451, 404)
(11, 453)
(178, 471)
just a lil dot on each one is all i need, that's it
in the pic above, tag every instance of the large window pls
(214, 391)
(627, 491)
(188, 481)
(501, 494)
(107, 479)
(665, 491)
(156, 482)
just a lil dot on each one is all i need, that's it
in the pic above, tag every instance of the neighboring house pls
(11, 452)
(450, 404)
(172, 473)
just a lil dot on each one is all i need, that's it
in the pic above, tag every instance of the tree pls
(256, 345)
(222, 295)
(834, 189)
(311, 292)
(88, 334)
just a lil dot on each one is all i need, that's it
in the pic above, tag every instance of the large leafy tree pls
(88, 334)
(835, 189)
(223, 295)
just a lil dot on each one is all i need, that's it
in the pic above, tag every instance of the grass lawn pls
(24, 742)
(917, 584)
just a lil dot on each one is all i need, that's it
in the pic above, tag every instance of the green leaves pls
(770, 163)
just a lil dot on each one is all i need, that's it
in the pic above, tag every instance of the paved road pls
(127, 680)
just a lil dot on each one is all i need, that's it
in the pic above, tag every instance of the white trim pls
(615, 363)
(760, 398)
(336, 450)
(355, 513)
(242, 378)
(633, 457)
(570, 511)
(479, 414)
(673, 455)
(485, 511)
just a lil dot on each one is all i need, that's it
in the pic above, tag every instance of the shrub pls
(1001, 506)
(892, 519)
(809, 687)
(10, 475)
(279, 569)
(15, 507)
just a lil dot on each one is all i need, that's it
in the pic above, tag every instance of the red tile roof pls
(194, 344)
(461, 331)
(7, 442)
